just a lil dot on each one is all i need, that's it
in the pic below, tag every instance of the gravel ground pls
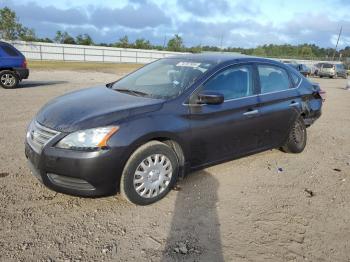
(267, 207)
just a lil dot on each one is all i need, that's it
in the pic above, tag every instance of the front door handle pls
(294, 104)
(251, 112)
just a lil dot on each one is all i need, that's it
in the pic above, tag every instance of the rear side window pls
(9, 50)
(234, 82)
(273, 79)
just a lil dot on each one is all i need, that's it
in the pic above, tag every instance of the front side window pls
(164, 78)
(273, 79)
(235, 82)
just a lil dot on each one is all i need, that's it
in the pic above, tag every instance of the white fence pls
(64, 52)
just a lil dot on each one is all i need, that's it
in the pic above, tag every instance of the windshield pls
(328, 66)
(164, 78)
(340, 66)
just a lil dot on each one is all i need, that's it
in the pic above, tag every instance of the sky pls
(234, 23)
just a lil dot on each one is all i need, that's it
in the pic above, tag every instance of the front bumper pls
(77, 173)
(327, 74)
(23, 73)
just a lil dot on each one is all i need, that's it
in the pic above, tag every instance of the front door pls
(228, 129)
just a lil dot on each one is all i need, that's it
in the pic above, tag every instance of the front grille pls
(38, 136)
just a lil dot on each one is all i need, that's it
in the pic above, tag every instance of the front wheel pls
(8, 79)
(149, 174)
(297, 137)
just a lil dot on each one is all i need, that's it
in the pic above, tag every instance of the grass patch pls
(83, 66)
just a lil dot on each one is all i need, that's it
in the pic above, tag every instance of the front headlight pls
(89, 139)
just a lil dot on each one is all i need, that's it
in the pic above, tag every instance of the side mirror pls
(210, 98)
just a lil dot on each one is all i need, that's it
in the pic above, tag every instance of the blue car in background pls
(13, 66)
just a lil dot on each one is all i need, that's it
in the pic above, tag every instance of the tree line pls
(12, 29)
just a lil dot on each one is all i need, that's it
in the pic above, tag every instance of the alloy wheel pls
(8, 80)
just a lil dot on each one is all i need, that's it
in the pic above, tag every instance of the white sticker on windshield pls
(188, 64)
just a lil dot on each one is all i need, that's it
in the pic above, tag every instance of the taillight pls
(322, 94)
(24, 64)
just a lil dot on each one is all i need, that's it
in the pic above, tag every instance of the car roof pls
(218, 58)
(5, 43)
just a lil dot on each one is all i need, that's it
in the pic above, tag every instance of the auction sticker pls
(188, 64)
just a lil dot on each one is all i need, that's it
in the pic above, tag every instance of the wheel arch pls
(173, 141)
(175, 146)
(6, 69)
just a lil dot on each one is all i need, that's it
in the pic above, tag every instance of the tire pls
(8, 79)
(321, 76)
(156, 174)
(297, 137)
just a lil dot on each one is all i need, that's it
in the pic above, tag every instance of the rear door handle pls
(251, 112)
(294, 104)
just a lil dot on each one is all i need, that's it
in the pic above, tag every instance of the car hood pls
(93, 107)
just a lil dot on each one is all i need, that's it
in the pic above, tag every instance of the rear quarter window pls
(296, 79)
(9, 50)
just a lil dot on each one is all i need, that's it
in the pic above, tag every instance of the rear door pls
(279, 104)
(229, 129)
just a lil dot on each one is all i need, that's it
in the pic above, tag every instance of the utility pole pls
(336, 46)
(164, 42)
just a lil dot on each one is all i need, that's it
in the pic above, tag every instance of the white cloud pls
(241, 23)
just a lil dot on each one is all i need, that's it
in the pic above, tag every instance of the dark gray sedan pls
(144, 131)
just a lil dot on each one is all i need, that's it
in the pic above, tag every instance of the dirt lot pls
(243, 210)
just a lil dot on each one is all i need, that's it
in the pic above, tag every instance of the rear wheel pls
(8, 79)
(297, 137)
(149, 174)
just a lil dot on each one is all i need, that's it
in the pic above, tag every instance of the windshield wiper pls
(133, 92)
